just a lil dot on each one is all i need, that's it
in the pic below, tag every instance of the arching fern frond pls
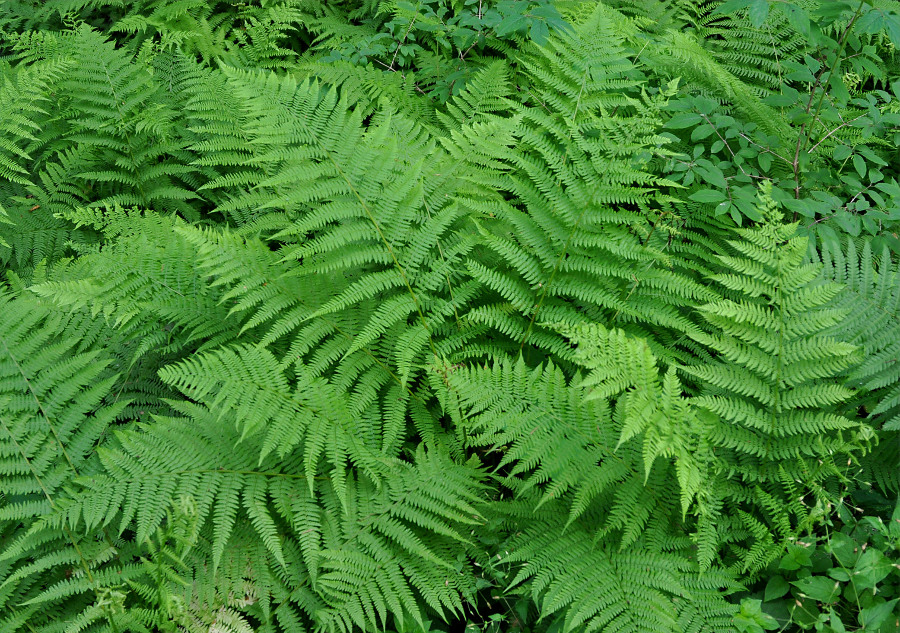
(363, 555)
(24, 99)
(23, 93)
(589, 587)
(369, 241)
(871, 300)
(568, 239)
(145, 286)
(51, 415)
(760, 55)
(682, 55)
(593, 443)
(130, 154)
(772, 381)
(399, 551)
(486, 93)
(308, 413)
(51, 418)
(144, 282)
(774, 384)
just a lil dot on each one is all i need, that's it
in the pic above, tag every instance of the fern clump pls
(548, 316)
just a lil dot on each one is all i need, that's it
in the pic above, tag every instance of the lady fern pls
(774, 384)
(297, 343)
(53, 414)
(870, 297)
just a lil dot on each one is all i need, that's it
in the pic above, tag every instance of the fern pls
(123, 121)
(23, 94)
(51, 417)
(580, 247)
(592, 588)
(21, 106)
(773, 385)
(555, 444)
(142, 285)
(410, 530)
(395, 316)
(361, 275)
(607, 451)
(760, 55)
(313, 415)
(870, 299)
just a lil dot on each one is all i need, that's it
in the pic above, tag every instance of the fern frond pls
(871, 297)
(391, 550)
(775, 382)
(134, 157)
(758, 55)
(685, 57)
(412, 537)
(24, 96)
(52, 415)
(574, 185)
(871, 300)
(593, 588)
(485, 94)
(311, 414)
(143, 282)
(593, 443)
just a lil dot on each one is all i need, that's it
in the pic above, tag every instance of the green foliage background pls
(516, 315)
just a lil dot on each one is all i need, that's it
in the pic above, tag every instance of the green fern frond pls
(144, 282)
(871, 300)
(593, 588)
(871, 297)
(485, 94)
(758, 55)
(134, 157)
(683, 56)
(775, 381)
(24, 95)
(311, 413)
(576, 181)
(392, 550)
(565, 441)
(23, 98)
(412, 538)
(52, 415)
(770, 381)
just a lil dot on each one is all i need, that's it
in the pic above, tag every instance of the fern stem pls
(779, 368)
